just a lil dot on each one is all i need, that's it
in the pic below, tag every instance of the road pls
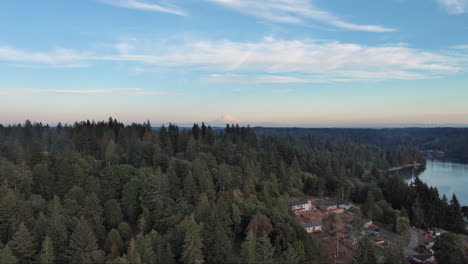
(413, 243)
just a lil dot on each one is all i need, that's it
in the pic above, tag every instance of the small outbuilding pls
(367, 223)
(312, 227)
(301, 205)
(345, 205)
(437, 232)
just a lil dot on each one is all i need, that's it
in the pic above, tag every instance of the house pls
(312, 227)
(345, 205)
(429, 245)
(337, 211)
(367, 223)
(416, 259)
(372, 232)
(301, 205)
(328, 206)
(437, 232)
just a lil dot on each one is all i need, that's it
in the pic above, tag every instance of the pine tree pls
(365, 253)
(82, 243)
(457, 222)
(249, 248)
(113, 213)
(449, 249)
(143, 244)
(93, 213)
(290, 255)
(192, 249)
(395, 255)
(132, 253)
(24, 245)
(265, 250)
(190, 189)
(57, 231)
(114, 244)
(217, 243)
(47, 255)
(7, 257)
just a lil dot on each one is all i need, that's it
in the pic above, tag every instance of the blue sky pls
(288, 62)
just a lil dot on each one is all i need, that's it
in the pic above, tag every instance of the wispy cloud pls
(266, 61)
(140, 5)
(114, 91)
(58, 58)
(308, 60)
(294, 11)
(454, 6)
(461, 47)
(273, 79)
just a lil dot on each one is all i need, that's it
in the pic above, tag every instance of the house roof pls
(311, 224)
(328, 204)
(300, 202)
(346, 203)
(421, 258)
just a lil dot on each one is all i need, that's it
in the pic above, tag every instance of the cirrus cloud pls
(269, 60)
(296, 12)
(454, 6)
(140, 5)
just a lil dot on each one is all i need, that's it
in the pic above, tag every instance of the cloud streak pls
(114, 91)
(140, 5)
(455, 7)
(58, 58)
(296, 12)
(266, 61)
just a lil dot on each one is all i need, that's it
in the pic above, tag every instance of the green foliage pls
(7, 257)
(395, 255)
(114, 244)
(23, 245)
(8, 209)
(57, 230)
(217, 243)
(125, 231)
(366, 254)
(192, 248)
(132, 253)
(145, 249)
(112, 213)
(191, 194)
(402, 225)
(449, 249)
(83, 243)
(47, 255)
(330, 224)
(265, 250)
(249, 248)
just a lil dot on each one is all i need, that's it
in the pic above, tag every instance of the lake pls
(448, 177)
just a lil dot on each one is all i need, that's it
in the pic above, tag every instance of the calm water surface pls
(448, 177)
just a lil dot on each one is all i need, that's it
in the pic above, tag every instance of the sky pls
(262, 62)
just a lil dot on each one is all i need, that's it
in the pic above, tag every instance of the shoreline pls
(409, 165)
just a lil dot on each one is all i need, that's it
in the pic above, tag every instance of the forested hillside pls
(452, 141)
(109, 193)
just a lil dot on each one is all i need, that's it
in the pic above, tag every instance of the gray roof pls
(421, 257)
(300, 202)
(346, 203)
(328, 204)
(307, 225)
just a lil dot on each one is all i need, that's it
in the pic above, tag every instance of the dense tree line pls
(452, 141)
(103, 192)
